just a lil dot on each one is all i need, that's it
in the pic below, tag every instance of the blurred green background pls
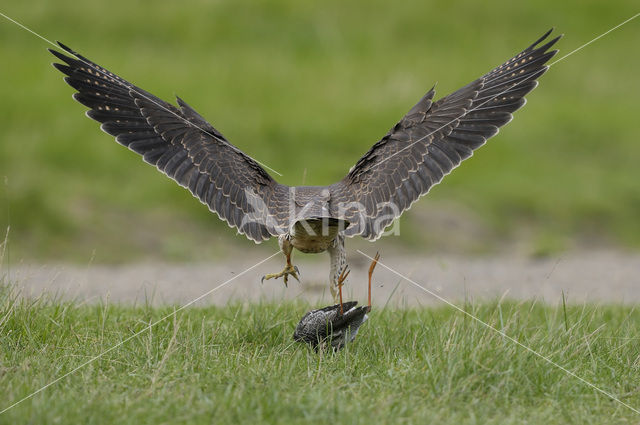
(307, 87)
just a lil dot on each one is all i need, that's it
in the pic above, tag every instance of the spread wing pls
(432, 139)
(183, 145)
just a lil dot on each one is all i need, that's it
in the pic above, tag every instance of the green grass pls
(238, 364)
(307, 88)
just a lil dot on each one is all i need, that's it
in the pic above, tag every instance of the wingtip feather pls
(60, 56)
(550, 43)
(65, 47)
(544, 37)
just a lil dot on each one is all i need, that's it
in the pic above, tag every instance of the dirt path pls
(593, 276)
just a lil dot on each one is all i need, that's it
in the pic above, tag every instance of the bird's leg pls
(371, 267)
(334, 291)
(343, 276)
(338, 260)
(289, 269)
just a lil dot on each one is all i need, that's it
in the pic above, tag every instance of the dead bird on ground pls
(336, 325)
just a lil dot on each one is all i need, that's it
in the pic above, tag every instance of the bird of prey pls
(336, 325)
(431, 140)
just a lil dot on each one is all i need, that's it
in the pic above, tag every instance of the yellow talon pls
(288, 270)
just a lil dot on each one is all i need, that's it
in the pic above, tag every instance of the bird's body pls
(336, 325)
(313, 225)
(431, 140)
(329, 327)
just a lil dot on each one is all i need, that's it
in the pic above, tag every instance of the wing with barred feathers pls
(432, 139)
(182, 145)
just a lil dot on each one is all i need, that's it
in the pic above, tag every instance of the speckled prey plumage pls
(329, 326)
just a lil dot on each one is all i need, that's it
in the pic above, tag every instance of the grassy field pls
(238, 364)
(307, 88)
